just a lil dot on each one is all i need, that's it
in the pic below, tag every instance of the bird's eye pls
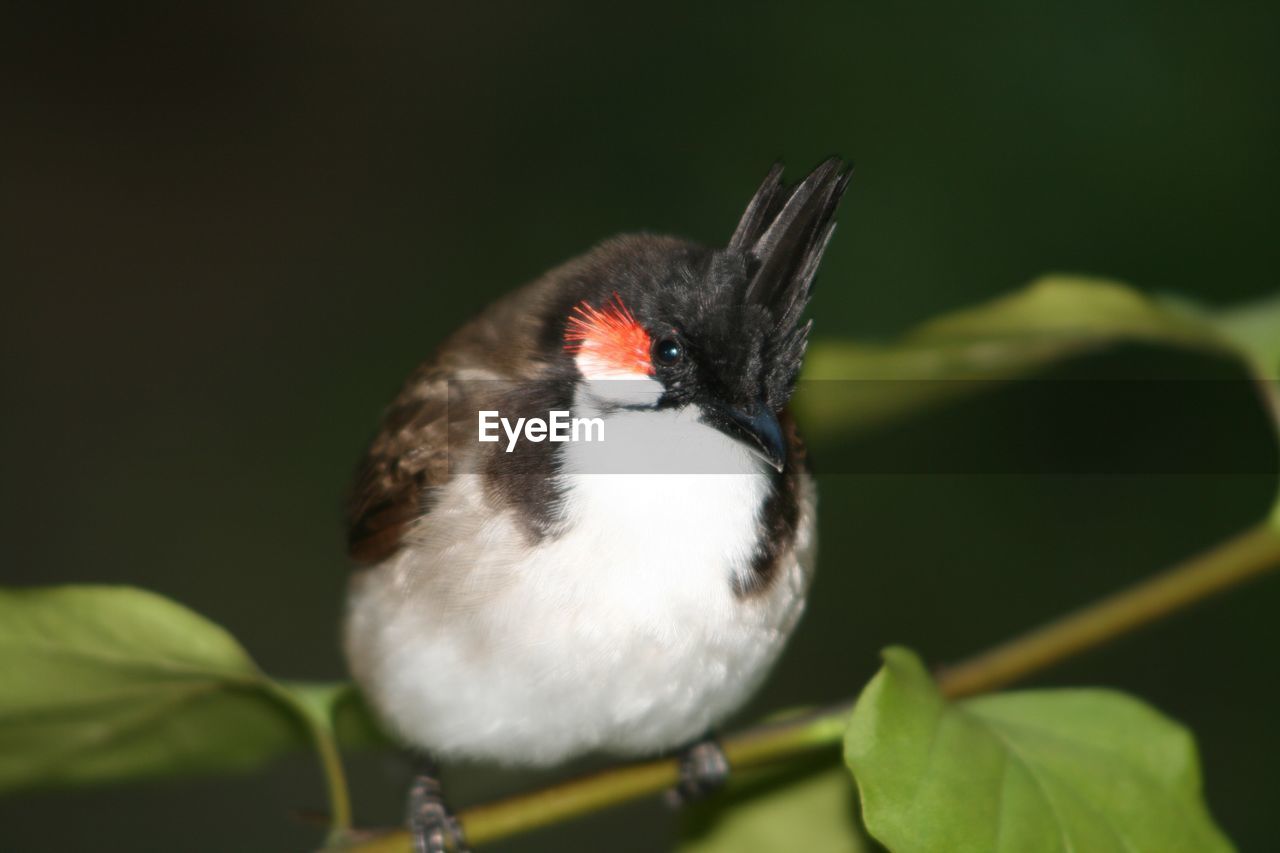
(667, 352)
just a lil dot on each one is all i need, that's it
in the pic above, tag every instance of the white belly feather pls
(623, 633)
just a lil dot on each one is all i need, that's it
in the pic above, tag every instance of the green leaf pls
(1040, 770)
(956, 354)
(111, 683)
(1253, 328)
(810, 808)
(852, 386)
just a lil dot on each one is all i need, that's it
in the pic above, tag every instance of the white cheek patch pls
(605, 382)
(595, 366)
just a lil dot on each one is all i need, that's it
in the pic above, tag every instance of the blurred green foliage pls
(977, 348)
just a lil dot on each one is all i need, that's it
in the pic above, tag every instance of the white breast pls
(622, 633)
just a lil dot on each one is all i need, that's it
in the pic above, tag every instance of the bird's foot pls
(433, 828)
(704, 769)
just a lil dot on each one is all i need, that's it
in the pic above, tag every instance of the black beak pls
(760, 430)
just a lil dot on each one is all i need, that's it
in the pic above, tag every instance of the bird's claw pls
(433, 827)
(704, 769)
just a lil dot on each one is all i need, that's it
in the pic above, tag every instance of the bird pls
(525, 596)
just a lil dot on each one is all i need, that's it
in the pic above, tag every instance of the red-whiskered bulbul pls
(526, 601)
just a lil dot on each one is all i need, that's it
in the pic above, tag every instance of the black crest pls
(783, 234)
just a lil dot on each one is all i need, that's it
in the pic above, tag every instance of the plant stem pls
(1231, 563)
(314, 704)
(335, 779)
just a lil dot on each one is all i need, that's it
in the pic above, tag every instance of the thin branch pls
(1233, 562)
(1230, 564)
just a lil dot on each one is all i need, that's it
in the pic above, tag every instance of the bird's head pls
(669, 324)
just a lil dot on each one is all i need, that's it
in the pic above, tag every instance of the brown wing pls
(404, 465)
(408, 461)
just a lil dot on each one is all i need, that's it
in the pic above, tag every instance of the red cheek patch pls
(608, 340)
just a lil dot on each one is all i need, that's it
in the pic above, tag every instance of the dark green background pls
(227, 235)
